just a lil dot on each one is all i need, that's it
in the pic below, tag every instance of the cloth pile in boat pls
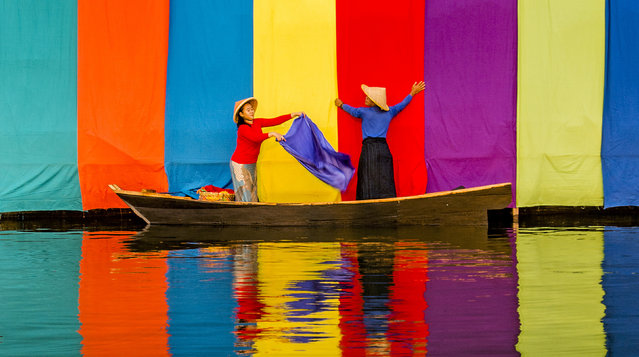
(307, 144)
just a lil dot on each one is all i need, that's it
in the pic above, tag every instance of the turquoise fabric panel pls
(38, 116)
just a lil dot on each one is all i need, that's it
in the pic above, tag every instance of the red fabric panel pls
(122, 54)
(381, 44)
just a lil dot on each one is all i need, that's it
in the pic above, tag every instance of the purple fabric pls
(471, 81)
(307, 144)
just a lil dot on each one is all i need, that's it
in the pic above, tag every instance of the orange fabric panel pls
(122, 300)
(122, 54)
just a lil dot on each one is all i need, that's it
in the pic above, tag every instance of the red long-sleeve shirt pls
(250, 137)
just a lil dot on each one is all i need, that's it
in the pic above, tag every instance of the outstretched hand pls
(278, 137)
(338, 102)
(417, 87)
(297, 114)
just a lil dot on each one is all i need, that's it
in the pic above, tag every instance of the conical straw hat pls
(377, 95)
(239, 105)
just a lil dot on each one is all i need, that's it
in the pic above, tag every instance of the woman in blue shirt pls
(375, 176)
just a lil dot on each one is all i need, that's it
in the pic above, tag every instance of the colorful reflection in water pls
(560, 292)
(284, 292)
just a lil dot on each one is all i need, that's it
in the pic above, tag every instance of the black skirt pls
(375, 176)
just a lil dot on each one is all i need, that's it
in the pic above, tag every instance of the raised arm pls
(277, 120)
(416, 88)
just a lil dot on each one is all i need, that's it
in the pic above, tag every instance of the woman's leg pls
(244, 182)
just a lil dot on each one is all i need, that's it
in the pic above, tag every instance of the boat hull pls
(459, 207)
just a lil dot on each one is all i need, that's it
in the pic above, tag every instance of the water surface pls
(453, 291)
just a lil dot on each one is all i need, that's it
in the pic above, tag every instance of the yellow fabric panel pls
(281, 268)
(560, 101)
(294, 70)
(560, 293)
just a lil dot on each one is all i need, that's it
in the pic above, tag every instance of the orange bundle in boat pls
(212, 193)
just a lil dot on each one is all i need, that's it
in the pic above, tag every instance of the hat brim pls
(238, 106)
(382, 106)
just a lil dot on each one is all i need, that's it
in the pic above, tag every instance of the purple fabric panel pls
(308, 145)
(471, 82)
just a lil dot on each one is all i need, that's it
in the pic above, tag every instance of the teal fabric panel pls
(38, 115)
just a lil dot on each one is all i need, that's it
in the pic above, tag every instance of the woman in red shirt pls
(249, 141)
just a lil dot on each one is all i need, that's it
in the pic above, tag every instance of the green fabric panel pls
(560, 293)
(560, 86)
(38, 115)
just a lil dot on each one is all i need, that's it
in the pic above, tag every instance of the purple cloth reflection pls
(472, 299)
(471, 73)
(307, 144)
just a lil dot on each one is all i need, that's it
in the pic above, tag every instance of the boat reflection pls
(158, 237)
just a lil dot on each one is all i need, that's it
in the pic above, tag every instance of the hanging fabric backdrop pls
(560, 100)
(204, 78)
(141, 95)
(619, 149)
(38, 155)
(121, 87)
(383, 48)
(471, 71)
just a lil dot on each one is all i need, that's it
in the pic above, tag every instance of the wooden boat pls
(459, 207)
(468, 206)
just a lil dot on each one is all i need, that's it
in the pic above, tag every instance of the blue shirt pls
(375, 121)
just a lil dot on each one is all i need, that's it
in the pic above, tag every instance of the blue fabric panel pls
(619, 149)
(201, 304)
(210, 66)
(38, 115)
(308, 145)
(621, 284)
